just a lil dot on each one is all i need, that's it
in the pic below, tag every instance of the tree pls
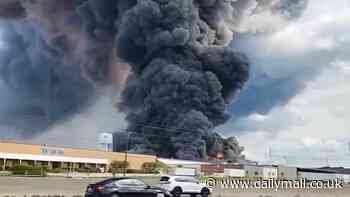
(118, 167)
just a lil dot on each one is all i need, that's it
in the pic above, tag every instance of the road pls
(50, 187)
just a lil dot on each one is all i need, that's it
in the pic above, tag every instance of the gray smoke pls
(229, 147)
(290, 9)
(182, 78)
(51, 62)
(42, 88)
(10, 9)
(183, 72)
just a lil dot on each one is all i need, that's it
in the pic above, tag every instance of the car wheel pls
(205, 192)
(114, 195)
(177, 191)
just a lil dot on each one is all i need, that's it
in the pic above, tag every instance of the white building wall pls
(288, 173)
(234, 172)
(270, 173)
(265, 172)
(253, 171)
(176, 163)
(52, 158)
(345, 178)
(317, 176)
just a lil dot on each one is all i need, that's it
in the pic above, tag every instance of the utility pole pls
(273, 158)
(126, 153)
(269, 155)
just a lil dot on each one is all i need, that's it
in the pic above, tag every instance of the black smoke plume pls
(182, 77)
(57, 53)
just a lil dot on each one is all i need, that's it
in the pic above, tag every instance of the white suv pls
(179, 185)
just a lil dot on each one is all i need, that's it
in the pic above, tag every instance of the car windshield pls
(164, 178)
(130, 183)
(186, 179)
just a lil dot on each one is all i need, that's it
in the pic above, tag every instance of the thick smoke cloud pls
(37, 64)
(43, 89)
(52, 61)
(182, 79)
(11, 9)
(175, 42)
(183, 75)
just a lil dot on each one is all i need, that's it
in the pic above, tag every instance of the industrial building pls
(54, 157)
(287, 172)
(176, 163)
(253, 171)
(219, 169)
(261, 171)
(276, 172)
(326, 173)
(12, 154)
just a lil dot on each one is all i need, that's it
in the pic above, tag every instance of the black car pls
(124, 187)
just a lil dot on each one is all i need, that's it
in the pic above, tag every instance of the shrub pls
(28, 170)
(150, 167)
(154, 167)
(5, 173)
(133, 171)
(86, 170)
(57, 170)
(118, 167)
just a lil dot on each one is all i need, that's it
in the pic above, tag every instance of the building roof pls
(338, 170)
(181, 162)
(21, 151)
(315, 170)
(20, 147)
(31, 157)
(247, 162)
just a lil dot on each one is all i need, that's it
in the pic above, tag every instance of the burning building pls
(182, 74)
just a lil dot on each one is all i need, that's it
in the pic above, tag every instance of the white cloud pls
(315, 123)
(317, 38)
(325, 110)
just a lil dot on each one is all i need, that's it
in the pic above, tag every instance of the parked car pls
(124, 187)
(178, 185)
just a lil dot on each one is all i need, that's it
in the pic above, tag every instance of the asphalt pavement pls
(69, 187)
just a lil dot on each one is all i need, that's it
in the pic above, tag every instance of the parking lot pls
(68, 187)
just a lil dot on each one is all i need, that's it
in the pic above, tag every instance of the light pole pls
(126, 153)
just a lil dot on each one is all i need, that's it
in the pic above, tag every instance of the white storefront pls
(48, 158)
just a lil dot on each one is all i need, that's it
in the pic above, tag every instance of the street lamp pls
(126, 153)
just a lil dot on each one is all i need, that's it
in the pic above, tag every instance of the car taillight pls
(99, 188)
(165, 182)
